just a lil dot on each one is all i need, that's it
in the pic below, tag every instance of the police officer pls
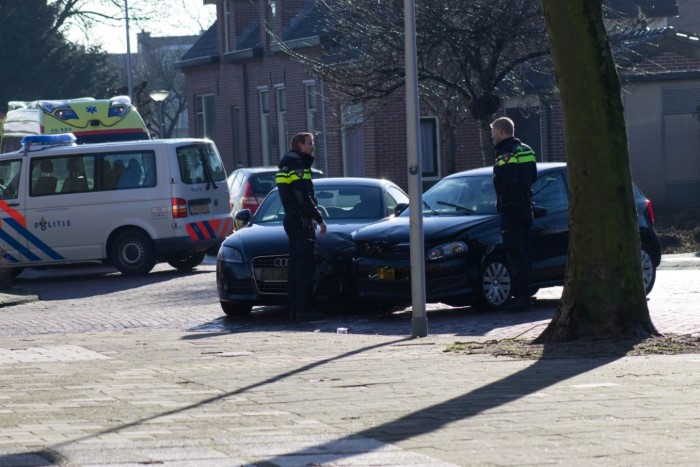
(296, 190)
(514, 173)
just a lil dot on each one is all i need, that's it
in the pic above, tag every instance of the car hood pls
(270, 239)
(396, 230)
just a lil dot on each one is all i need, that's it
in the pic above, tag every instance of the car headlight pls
(447, 250)
(229, 255)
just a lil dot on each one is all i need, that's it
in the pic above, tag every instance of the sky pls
(177, 18)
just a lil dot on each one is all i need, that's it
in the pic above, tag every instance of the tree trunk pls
(604, 294)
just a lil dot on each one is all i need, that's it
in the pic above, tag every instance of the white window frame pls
(311, 105)
(206, 118)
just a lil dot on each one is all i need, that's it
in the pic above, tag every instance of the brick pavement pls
(261, 391)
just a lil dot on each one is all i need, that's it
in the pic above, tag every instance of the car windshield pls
(462, 196)
(337, 203)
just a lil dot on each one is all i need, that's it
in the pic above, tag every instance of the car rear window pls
(262, 184)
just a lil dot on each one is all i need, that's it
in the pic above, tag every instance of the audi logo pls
(281, 262)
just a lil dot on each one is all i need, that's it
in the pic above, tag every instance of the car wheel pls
(648, 270)
(495, 284)
(236, 309)
(133, 253)
(189, 262)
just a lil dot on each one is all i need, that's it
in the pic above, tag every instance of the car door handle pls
(13, 204)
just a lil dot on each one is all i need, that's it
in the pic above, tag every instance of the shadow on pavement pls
(441, 320)
(541, 374)
(51, 453)
(59, 282)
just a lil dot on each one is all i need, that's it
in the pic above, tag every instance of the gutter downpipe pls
(323, 125)
(249, 157)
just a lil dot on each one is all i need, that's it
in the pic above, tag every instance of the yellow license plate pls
(387, 274)
(199, 209)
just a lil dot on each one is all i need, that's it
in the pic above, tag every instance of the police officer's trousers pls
(516, 229)
(301, 272)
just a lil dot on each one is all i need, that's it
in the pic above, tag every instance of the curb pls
(15, 296)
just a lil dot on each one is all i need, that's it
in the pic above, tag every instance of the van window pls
(200, 163)
(92, 172)
(9, 178)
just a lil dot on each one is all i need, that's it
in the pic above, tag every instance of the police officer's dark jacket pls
(514, 173)
(296, 188)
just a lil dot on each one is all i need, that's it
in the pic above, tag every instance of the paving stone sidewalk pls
(305, 395)
(314, 397)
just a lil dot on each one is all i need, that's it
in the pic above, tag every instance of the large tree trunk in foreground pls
(604, 293)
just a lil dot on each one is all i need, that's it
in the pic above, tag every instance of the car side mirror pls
(242, 218)
(401, 207)
(539, 211)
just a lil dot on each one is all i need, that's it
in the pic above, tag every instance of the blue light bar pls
(63, 139)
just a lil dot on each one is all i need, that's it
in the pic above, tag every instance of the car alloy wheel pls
(496, 284)
(648, 270)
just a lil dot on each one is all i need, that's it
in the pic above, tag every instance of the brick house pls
(250, 97)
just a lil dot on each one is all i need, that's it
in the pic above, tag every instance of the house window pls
(264, 103)
(271, 16)
(310, 92)
(527, 125)
(206, 116)
(227, 27)
(282, 121)
(429, 147)
(353, 141)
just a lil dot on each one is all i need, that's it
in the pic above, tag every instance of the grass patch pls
(523, 348)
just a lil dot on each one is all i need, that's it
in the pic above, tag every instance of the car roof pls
(320, 182)
(265, 169)
(488, 170)
(106, 146)
(351, 181)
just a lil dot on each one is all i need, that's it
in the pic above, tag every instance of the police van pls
(132, 204)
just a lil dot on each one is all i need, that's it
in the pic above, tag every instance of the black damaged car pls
(464, 259)
(251, 266)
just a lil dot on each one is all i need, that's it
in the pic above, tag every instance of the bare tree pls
(156, 68)
(469, 53)
(604, 292)
(89, 14)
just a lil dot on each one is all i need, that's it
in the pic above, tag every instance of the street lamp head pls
(159, 96)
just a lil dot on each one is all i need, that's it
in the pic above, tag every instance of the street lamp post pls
(159, 97)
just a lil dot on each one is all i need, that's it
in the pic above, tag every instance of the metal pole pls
(162, 120)
(419, 320)
(128, 53)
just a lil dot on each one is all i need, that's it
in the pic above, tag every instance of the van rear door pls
(200, 200)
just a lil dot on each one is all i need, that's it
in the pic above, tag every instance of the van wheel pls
(188, 262)
(132, 253)
(236, 309)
